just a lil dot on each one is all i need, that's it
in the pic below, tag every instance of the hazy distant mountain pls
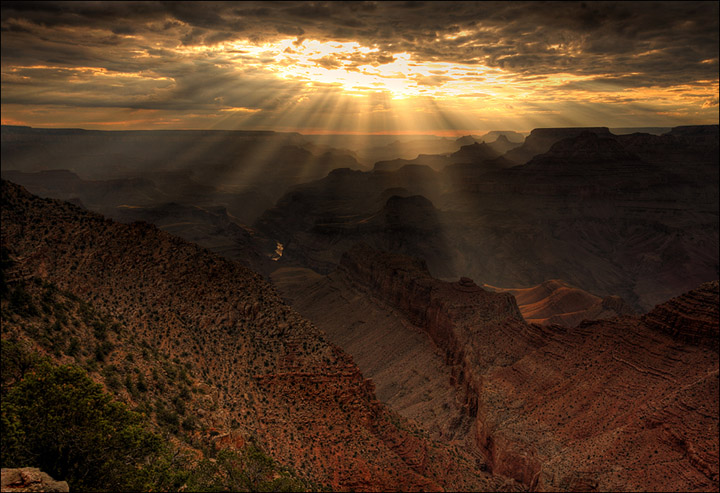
(589, 210)
(475, 152)
(510, 135)
(404, 149)
(318, 221)
(541, 140)
(501, 145)
(244, 171)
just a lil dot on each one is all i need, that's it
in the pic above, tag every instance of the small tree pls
(59, 420)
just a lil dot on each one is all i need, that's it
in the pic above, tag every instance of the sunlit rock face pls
(557, 302)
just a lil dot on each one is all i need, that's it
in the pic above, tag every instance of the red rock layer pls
(557, 302)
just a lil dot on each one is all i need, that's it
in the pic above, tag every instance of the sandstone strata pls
(692, 317)
(558, 302)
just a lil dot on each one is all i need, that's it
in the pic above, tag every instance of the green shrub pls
(59, 420)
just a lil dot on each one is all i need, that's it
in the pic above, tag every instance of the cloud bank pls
(433, 65)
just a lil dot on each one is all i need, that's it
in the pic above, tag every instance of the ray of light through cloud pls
(359, 67)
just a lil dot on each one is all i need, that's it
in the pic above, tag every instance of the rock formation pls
(585, 148)
(502, 144)
(29, 479)
(317, 222)
(691, 317)
(192, 167)
(510, 135)
(474, 153)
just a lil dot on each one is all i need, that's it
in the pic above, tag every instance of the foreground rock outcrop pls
(29, 479)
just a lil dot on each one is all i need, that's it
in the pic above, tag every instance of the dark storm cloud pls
(556, 34)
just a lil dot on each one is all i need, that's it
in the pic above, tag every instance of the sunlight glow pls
(358, 70)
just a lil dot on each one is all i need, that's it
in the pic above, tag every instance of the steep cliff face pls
(407, 368)
(257, 368)
(442, 309)
(418, 338)
(608, 405)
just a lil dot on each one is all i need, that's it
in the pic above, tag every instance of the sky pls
(448, 68)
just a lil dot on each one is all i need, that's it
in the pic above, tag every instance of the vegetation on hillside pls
(56, 418)
(76, 402)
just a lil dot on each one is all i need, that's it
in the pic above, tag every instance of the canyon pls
(625, 403)
(499, 315)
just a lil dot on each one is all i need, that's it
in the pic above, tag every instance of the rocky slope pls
(627, 403)
(408, 370)
(127, 200)
(691, 317)
(253, 367)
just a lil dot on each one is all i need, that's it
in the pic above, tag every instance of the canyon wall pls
(625, 403)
